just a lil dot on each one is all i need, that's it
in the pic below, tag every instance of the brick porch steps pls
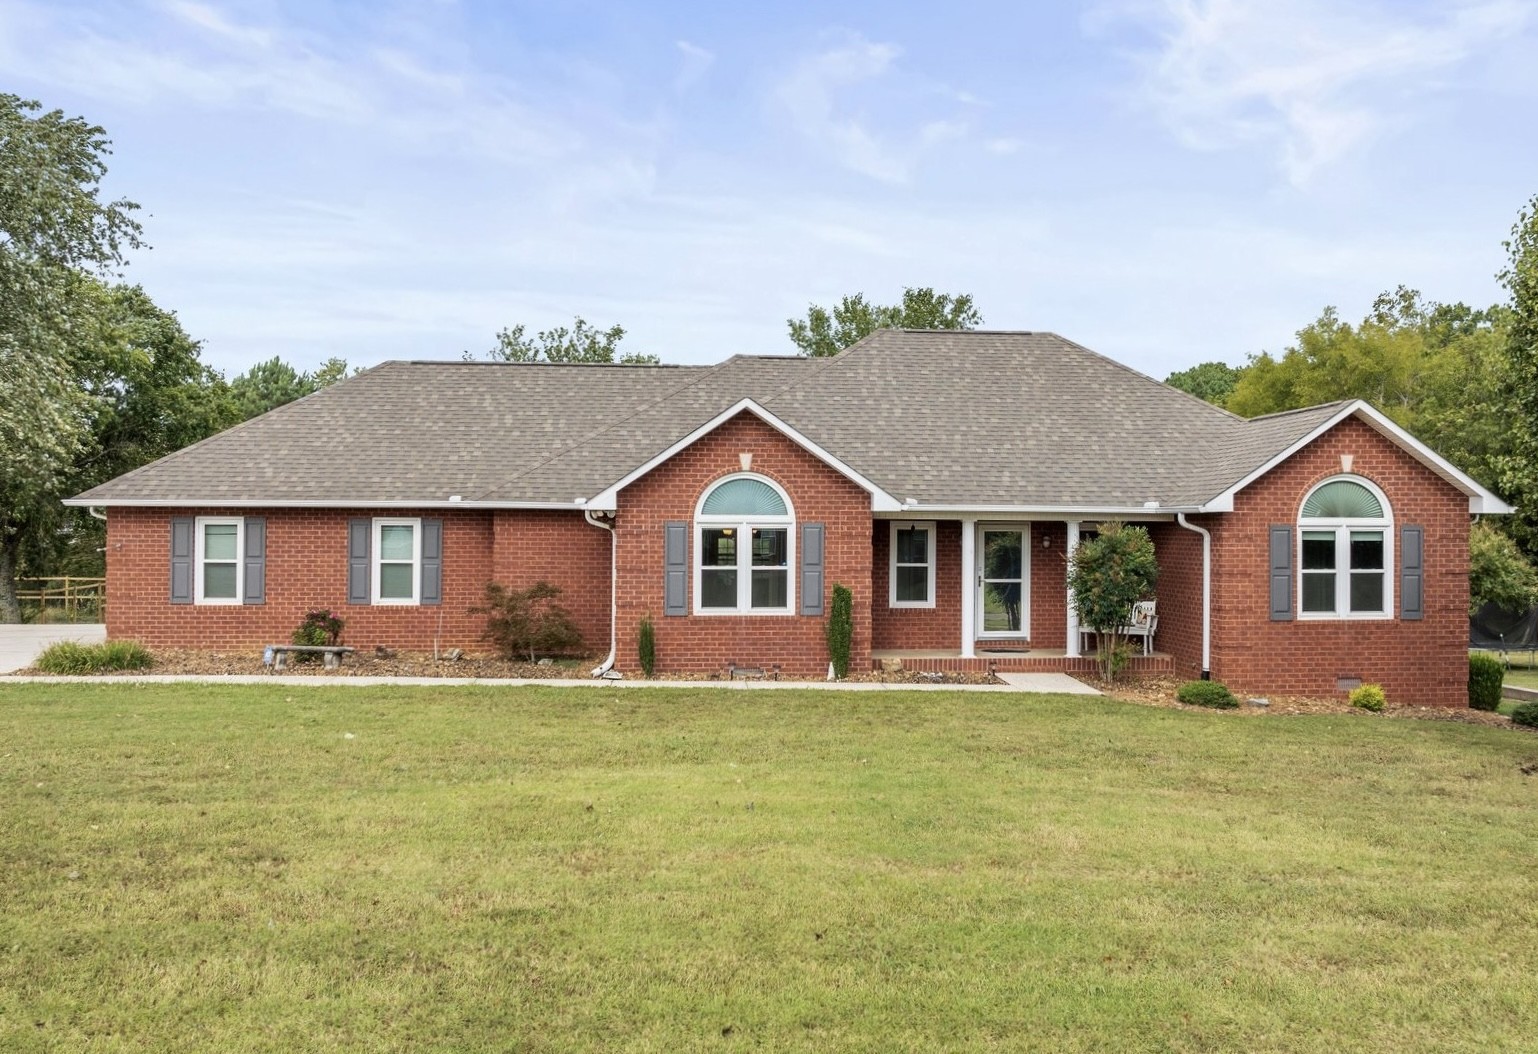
(1025, 662)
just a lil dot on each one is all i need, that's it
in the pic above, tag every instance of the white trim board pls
(1480, 499)
(880, 501)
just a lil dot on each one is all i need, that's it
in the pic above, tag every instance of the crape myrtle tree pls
(1109, 573)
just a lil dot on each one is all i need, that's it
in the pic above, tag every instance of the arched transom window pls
(743, 532)
(1345, 539)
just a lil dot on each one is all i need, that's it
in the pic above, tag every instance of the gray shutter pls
(676, 576)
(1412, 573)
(811, 568)
(254, 566)
(359, 586)
(1281, 573)
(432, 561)
(181, 559)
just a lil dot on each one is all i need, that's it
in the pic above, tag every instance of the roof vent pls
(456, 497)
(1150, 505)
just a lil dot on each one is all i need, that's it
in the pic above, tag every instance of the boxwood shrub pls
(1207, 693)
(1525, 714)
(1368, 697)
(1486, 673)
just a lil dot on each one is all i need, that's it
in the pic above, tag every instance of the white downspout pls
(1180, 518)
(608, 663)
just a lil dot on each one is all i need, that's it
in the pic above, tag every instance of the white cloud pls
(696, 63)
(1312, 80)
(810, 97)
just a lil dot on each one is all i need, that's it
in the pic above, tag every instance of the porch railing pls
(62, 598)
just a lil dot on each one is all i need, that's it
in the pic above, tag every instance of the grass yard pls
(195, 868)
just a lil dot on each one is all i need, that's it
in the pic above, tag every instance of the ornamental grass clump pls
(1368, 697)
(1486, 676)
(69, 658)
(1207, 693)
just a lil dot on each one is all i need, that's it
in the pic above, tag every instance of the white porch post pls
(1073, 614)
(968, 589)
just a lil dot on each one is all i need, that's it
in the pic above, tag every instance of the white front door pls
(1003, 580)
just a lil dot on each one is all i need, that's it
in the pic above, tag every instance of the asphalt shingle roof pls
(958, 418)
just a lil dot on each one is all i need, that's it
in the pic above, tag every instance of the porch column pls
(968, 588)
(1073, 614)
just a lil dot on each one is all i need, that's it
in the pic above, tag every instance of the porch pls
(1036, 660)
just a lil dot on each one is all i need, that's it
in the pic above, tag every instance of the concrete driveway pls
(19, 645)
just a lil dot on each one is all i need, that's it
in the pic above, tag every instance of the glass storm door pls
(1001, 581)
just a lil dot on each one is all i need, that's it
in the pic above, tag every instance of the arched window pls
(743, 532)
(1345, 539)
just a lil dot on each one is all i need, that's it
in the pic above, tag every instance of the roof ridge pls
(706, 371)
(1300, 410)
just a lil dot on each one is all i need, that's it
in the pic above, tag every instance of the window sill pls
(1317, 616)
(919, 604)
(751, 613)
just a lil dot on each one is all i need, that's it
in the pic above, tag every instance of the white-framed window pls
(1345, 551)
(912, 564)
(744, 535)
(397, 561)
(219, 543)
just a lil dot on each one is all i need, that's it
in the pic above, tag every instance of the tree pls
(1498, 572)
(1109, 573)
(823, 332)
(55, 232)
(274, 383)
(1519, 465)
(1212, 381)
(580, 343)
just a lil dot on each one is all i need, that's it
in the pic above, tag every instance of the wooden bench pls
(331, 654)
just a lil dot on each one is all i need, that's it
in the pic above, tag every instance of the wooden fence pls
(62, 599)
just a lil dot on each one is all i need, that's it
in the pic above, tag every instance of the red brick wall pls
(917, 628)
(307, 568)
(1049, 585)
(703, 643)
(1421, 662)
(1179, 594)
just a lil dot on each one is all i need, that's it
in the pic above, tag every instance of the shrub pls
(1368, 697)
(528, 623)
(319, 629)
(646, 646)
(1485, 677)
(68, 657)
(1525, 714)
(1207, 693)
(840, 630)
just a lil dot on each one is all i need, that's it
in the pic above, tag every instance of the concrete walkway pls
(19, 645)
(1038, 683)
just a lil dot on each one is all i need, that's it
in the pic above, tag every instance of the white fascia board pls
(1480, 499)
(243, 503)
(607, 500)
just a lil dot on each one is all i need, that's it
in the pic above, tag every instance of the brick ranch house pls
(944, 477)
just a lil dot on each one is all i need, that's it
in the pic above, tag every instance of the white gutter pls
(1206, 593)
(323, 503)
(102, 515)
(608, 663)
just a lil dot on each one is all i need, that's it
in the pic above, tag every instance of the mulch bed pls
(1160, 691)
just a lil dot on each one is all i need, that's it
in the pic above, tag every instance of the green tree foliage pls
(581, 342)
(1519, 465)
(1438, 370)
(1212, 381)
(55, 233)
(1498, 571)
(1109, 573)
(274, 383)
(822, 332)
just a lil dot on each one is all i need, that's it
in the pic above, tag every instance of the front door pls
(1003, 580)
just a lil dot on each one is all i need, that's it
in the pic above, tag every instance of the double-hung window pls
(1345, 539)
(218, 542)
(913, 565)
(744, 531)
(397, 561)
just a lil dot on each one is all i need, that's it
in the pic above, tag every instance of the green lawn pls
(322, 869)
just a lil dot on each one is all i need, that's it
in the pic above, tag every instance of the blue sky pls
(1166, 181)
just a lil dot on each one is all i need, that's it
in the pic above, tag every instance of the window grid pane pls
(913, 545)
(395, 581)
(718, 587)
(1366, 550)
(395, 542)
(219, 541)
(1367, 592)
(1319, 591)
(770, 589)
(913, 585)
(771, 547)
(219, 581)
